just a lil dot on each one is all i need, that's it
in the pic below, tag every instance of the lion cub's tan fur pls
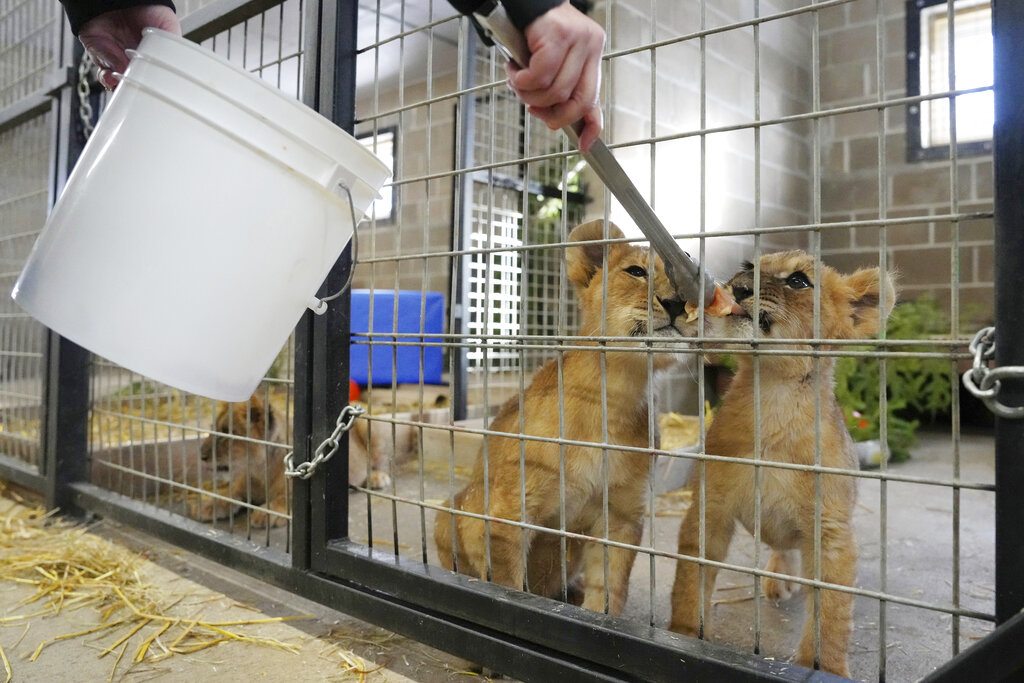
(627, 374)
(849, 310)
(254, 472)
(245, 470)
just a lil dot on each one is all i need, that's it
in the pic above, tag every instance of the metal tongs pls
(684, 274)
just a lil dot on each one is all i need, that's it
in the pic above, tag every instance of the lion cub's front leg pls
(838, 566)
(205, 508)
(719, 526)
(262, 516)
(624, 526)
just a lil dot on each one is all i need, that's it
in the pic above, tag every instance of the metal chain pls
(326, 450)
(84, 90)
(984, 382)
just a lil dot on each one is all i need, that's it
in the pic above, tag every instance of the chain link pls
(984, 382)
(326, 450)
(84, 90)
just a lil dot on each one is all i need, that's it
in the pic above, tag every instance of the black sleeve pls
(521, 12)
(81, 11)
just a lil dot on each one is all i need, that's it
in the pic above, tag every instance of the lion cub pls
(629, 312)
(246, 470)
(849, 310)
(250, 471)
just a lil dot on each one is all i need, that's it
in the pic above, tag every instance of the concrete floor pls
(328, 642)
(919, 526)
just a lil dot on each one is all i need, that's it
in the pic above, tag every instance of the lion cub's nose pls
(674, 307)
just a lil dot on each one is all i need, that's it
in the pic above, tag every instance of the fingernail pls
(107, 80)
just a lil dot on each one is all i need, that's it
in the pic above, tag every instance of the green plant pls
(915, 388)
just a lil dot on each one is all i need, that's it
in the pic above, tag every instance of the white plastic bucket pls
(203, 215)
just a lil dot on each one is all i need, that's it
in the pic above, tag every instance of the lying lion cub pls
(626, 423)
(849, 310)
(254, 472)
(246, 470)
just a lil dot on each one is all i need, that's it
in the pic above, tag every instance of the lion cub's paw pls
(686, 629)
(206, 509)
(781, 562)
(261, 518)
(777, 590)
(378, 479)
(837, 665)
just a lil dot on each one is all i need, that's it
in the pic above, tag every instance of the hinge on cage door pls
(984, 382)
(326, 450)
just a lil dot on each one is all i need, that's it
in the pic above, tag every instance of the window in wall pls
(928, 70)
(383, 145)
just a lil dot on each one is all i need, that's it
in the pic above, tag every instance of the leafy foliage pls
(915, 388)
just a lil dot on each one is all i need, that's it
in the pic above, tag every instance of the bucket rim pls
(304, 178)
(350, 145)
(138, 77)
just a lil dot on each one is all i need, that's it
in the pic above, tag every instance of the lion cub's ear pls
(864, 289)
(255, 409)
(583, 261)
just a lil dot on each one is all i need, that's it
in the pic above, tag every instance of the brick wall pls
(919, 249)
(423, 219)
(634, 113)
(849, 167)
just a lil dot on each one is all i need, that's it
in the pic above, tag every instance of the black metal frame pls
(915, 151)
(1008, 25)
(525, 636)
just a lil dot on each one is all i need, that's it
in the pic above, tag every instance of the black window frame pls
(368, 135)
(915, 150)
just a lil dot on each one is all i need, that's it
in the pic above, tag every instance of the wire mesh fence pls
(216, 463)
(29, 47)
(778, 126)
(531, 419)
(24, 196)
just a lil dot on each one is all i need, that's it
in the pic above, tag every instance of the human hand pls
(562, 80)
(107, 36)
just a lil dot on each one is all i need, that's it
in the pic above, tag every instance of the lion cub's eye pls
(636, 271)
(798, 280)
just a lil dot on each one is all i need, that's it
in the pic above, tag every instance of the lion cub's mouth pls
(722, 305)
(764, 319)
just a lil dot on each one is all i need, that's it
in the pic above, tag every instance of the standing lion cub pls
(850, 309)
(628, 311)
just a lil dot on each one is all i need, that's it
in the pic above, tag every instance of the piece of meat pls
(722, 305)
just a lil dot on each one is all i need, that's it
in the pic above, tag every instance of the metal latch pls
(984, 382)
(326, 450)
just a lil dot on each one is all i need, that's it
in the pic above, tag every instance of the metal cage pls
(751, 128)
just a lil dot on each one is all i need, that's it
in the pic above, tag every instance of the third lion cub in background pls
(628, 311)
(850, 309)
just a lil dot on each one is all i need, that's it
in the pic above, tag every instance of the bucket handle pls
(317, 304)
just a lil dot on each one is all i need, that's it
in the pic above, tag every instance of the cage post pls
(1008, 32)
(314, 91)
(326, 338)
(67, 421)
(462, 221)
(66, 390)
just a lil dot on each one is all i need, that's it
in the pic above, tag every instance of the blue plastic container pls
(407, 362)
